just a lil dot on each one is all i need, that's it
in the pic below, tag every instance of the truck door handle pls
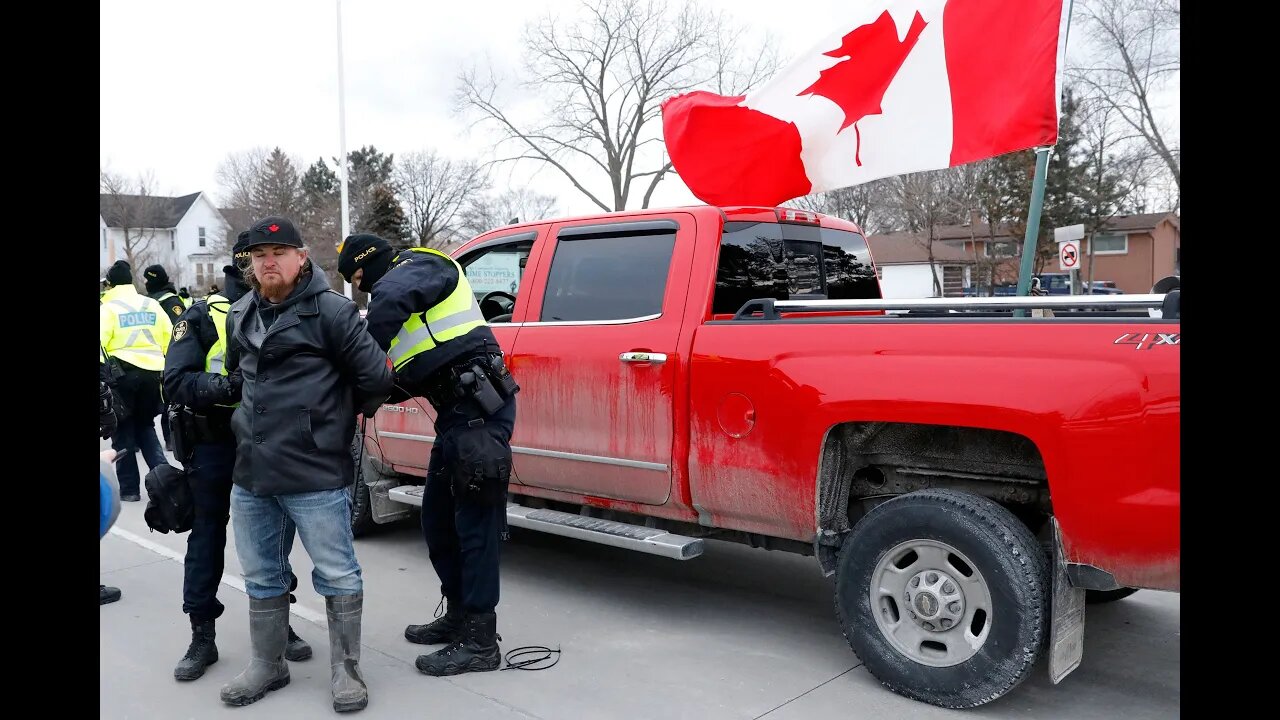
(642, 357)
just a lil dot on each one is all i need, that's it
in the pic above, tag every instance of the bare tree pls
(927, 200)
(1135, 54)
(131, 206)
(605, 78)
(1115, 172)
(867, 205)
(486, 212)
(238, 175)
(435, 191)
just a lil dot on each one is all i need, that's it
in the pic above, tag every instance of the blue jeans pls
(264, 529)
(138, 431)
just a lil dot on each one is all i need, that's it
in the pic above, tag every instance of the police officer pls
(185, 297)
(156, 279)
(423, 312)
(196, 380)
(134, 332)
(160, 289)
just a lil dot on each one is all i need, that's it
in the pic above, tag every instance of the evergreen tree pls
(278, 190)
(385, 218)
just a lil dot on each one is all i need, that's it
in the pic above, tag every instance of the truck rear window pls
(785, 262)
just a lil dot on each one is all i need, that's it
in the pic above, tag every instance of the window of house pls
(495, 274)
(609, 275)
(199, 274)
(104, 238)
(1000, 249)
(788, 261)
(1110, 244)
(201, 234)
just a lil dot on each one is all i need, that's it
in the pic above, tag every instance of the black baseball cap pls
(271, 230)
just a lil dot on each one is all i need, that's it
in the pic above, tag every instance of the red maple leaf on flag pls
(872, 57)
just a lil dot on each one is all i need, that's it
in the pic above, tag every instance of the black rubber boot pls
(107, 594)
(477, 651)
(201, 654)
(297, 649)
(268, 635)
(444, 629)
(346, 682)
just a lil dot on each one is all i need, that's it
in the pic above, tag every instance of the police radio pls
(476, 381)
(502, 376)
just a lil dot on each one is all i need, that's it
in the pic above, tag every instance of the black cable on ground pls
(543, 653)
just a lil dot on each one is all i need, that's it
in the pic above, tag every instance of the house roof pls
(979, 231)
(1138, 223)
(238, 218)
(901, 248)
(148, 211)
(1006, 232)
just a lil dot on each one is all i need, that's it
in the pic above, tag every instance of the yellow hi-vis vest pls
(215, 360)
(134, 328)
(450, 318)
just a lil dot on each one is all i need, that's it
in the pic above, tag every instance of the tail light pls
(788, 215)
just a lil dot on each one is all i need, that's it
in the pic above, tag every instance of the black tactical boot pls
(268, 635)
(297, 649)
(201, 654)
(346, 682)
(477, 651)
(444, 629)
(107, 594)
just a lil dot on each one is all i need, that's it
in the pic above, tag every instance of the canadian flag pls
(901, 86)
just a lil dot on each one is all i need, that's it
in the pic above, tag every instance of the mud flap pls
(383, 508)
(1066, 621)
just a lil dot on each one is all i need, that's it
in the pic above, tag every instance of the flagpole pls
(1033, 222)
(347, 289)
(1037, 201)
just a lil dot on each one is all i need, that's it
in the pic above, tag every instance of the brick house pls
(1133, 251)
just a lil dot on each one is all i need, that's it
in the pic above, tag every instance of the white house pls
(187, 235)
(902, 264)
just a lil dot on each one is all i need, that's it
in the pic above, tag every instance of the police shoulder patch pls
(178, 309)
(180, 329)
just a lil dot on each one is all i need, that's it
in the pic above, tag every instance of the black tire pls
(1096, 597)
(361, 505)
(1007, 573)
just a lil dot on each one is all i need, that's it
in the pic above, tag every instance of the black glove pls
(106, 412)
(370, 407)
(222, 389)
(236, 378)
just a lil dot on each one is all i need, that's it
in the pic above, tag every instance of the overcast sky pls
(185, 83)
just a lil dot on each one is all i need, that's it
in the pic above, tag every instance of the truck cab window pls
(495, 274)
(786, 261)
(611, 276)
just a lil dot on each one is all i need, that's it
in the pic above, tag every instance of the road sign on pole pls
(1069, 255)
(1070, 232)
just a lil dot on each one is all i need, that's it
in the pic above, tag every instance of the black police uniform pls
(462, 522)
(207, 449)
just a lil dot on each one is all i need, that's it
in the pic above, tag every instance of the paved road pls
(738, 633)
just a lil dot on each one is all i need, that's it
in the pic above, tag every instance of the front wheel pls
(944, 596)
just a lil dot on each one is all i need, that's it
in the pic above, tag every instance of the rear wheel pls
(361, 504)
(944, 597)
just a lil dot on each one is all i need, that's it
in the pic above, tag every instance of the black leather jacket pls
(305, 379)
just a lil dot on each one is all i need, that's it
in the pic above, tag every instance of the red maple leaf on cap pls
(872, 57)
(273, 228)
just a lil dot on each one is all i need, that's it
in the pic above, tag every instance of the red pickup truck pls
(965, 469)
